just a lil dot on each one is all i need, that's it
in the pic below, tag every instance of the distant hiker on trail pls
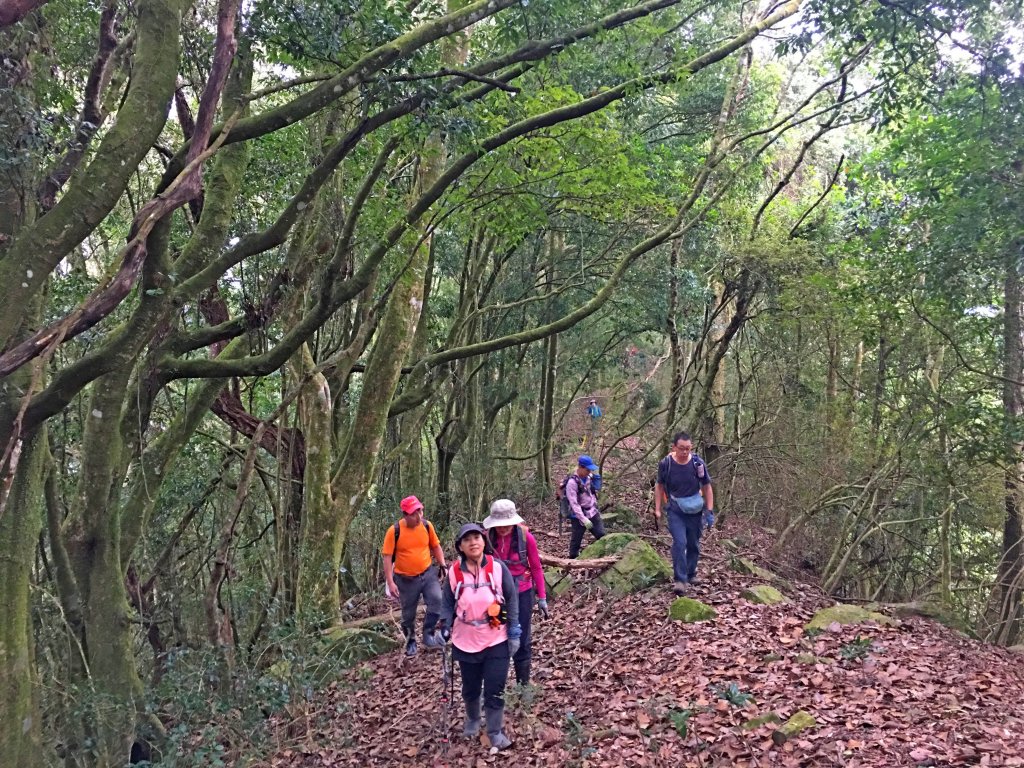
(582, 500)
(594, 413)
(517, 548)
(684, 484)
(408, 572)
(481, 616)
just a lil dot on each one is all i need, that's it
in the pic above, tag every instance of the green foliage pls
(217, 722)
(680, 719)
(732, 694)
(857, 649)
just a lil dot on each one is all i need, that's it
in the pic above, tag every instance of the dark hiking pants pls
(485, 669)
(685, 530)
(578, 529)
(522, 658)
(409, 590)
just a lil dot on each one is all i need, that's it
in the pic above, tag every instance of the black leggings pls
(487, 669)
(526, 622)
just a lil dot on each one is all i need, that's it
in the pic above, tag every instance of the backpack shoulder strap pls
(520, 534)
(492, 571)
(665, 467)
(456, 579)
(398, 529)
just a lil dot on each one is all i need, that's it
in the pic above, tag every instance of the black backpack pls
(519, 532)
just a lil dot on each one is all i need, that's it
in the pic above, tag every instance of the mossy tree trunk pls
(94, 547)
(19, 530)
(324, 538)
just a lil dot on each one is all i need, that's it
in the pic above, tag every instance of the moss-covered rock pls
(935, 611)
(611, 544)
(355, 644)
(558, 580)
(750, 568)
(844, 614)
(639, 567)
(688, 610)
(757, 722)
(622, 517)
(798, 723)
(762, 594)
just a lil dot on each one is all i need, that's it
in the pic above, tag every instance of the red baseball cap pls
(410, 505)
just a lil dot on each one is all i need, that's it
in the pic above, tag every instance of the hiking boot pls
(472, 726)
(410, 648)
(693, 580)
(679, 587)
(522, 672)
(433, 640)
(495, 721)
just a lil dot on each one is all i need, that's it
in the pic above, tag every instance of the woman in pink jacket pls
(480, 610)
(517, 548)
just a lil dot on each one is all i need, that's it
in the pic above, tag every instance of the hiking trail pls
(619, 683)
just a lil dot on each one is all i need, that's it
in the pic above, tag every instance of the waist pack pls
(689, 505)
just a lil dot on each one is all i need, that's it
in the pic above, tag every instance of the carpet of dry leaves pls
(619, 684)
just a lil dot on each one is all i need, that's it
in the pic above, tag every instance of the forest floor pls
(617, 683)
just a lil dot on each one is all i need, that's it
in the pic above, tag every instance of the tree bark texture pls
(1011, 566)
(19, 530)
(324, 535)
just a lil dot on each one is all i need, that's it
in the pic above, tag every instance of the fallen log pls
(577, 565)
(380, 618)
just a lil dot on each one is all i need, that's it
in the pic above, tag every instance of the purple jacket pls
(581, 498)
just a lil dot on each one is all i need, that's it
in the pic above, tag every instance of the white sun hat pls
(503, 512)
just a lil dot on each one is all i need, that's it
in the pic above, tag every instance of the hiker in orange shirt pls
(408, 545)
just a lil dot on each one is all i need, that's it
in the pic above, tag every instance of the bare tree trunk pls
(460, 417)
(855, 376)
(884, 348)
(675, 348)
(832, 379)
(1011, 566)
(550, 376)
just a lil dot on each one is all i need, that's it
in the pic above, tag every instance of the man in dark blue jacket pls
(684, 485)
